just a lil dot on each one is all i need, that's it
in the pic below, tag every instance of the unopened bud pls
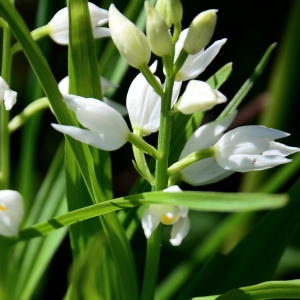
(171, 10)
(199, 96)
(157, 32)
(130, 41)
(200, 31)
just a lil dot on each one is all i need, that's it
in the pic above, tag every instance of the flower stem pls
(144, 69)
(161, 182)
(143, 146)
(141, 161)
(191, 158)
(4, 134)
(27, 113)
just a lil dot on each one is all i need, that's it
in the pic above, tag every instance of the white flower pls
(11, 212)
(59, 24)
(197, 63)
(107, 130)
(143, 104)
(207, 170)
(63, 87)
(168, 215)
(199, 96)
(252, 148)
(130, 41)
(7, 95)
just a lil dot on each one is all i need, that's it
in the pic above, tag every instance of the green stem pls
(4, 134)
(141, 161)
(191, 158)
(180, 61)
(144, 69)
(27, 113)
(143, 146)
(35, 34)
(161, 182)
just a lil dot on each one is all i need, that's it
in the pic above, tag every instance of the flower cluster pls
(209, 155)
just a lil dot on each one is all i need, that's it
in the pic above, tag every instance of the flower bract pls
(168, 215)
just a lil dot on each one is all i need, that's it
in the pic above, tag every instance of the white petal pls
(196, 64)
(101, 32)
(199, 96)
(59, 24)
(10, 98)
(149, 222)
(105, 84)
(246, 163)
(99, 16)
(280, 149)
(117, 106)
(63, 85)
(143, 105)
(173, 188)
(243, 133)
(3, 84)
(107, 122)
(205, 171)
(176, 91)
(11, 212)
(98, 140)
(207, 135)
(254, 146)
(179, 231)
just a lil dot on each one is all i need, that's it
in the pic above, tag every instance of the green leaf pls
(289, 289)
(256, 257)
(205, 201)
(220, 77)
(32, 258)
(49, 84)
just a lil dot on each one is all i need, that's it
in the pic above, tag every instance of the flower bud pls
(157, 32)
(130, 41)
(199, 96)
(171, 10)
(200, 31)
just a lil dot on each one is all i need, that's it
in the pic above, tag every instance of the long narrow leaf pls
(289, 289)
(205, 201)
